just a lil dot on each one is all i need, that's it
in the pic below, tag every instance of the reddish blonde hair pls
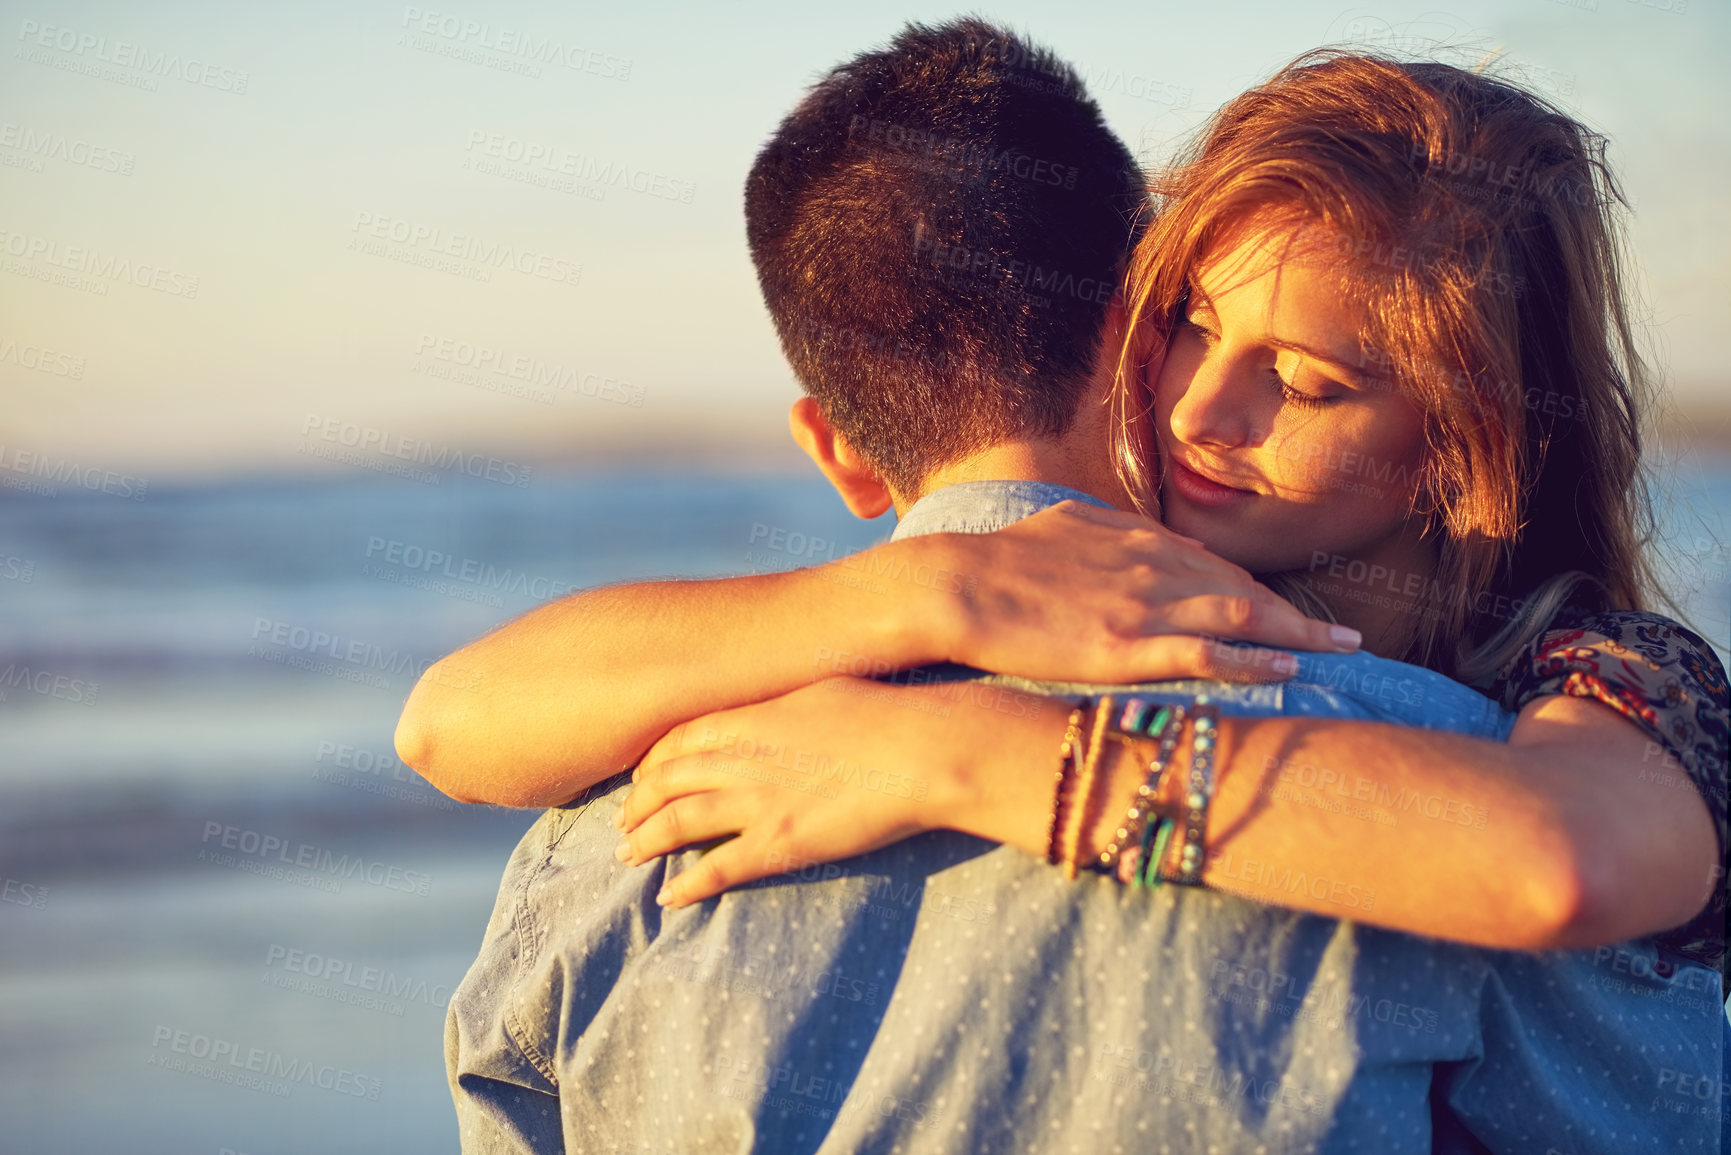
(1479, 225)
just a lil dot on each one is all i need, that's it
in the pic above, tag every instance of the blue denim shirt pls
(949, 994)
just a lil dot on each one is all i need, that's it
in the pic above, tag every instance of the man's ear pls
(865, 495)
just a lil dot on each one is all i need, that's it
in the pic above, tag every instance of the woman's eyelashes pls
(1200, 331)
(1299, 398)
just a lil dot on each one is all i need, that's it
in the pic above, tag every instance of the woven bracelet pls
(1077, 821)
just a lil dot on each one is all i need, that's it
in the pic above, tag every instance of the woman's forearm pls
(1532, 845)
(578, 689)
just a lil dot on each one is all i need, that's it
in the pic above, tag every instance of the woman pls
(1394, 343)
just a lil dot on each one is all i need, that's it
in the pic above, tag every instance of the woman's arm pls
(1566, 856)
(576, 690)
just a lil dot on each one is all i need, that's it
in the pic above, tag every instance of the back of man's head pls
(938, 229)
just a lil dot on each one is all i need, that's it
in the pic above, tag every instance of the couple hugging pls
(1126, 853)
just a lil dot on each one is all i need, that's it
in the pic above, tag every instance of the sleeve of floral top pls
(1668, 682)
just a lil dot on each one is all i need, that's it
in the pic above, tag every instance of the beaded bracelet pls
(1066, 760)
(1199, 792)
(1162, 727)
(1077, 820)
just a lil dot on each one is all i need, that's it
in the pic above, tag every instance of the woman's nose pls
(1217, 406)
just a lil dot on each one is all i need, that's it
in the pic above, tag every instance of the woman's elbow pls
(416, 746)
(1612, 892)
(421, 746)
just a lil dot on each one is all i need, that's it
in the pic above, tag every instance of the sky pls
(241, 239)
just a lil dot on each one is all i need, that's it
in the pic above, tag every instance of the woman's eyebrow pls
(1332, 360)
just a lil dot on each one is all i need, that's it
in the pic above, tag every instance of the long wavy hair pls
(1481, 227)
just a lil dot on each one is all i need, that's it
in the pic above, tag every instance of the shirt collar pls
(983, 506)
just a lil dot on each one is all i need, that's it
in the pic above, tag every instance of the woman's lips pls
(1194, 487)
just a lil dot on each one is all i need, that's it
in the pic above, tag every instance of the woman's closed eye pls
(1200, 331)
(1300, 398)
(1193, 319)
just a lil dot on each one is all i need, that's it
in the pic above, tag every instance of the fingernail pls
(1284, 664)
(623, 851)
(1345, 637)
(664, 895)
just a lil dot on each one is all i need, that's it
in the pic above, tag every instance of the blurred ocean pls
(228, 917)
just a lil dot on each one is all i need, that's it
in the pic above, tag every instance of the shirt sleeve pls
(1667, 681)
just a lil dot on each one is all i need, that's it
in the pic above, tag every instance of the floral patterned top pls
(1667, 681)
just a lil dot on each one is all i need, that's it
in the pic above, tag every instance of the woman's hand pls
(1081, 593)
(827, 772)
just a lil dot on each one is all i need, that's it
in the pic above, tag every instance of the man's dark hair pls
(938, 228)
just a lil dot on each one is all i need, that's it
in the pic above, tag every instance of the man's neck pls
(1055, 462)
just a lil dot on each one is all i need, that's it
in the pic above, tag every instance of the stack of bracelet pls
(1144, 864)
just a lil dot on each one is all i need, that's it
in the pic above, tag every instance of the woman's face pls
(1281, 451)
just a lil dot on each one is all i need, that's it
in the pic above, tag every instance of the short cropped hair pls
(938, 228)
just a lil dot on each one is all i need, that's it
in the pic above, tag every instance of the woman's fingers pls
(1169, 656)
(682, 821)
(1250, 619)
(731, 864)
(658, 781)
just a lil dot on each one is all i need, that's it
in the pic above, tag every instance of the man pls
(936, 228)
